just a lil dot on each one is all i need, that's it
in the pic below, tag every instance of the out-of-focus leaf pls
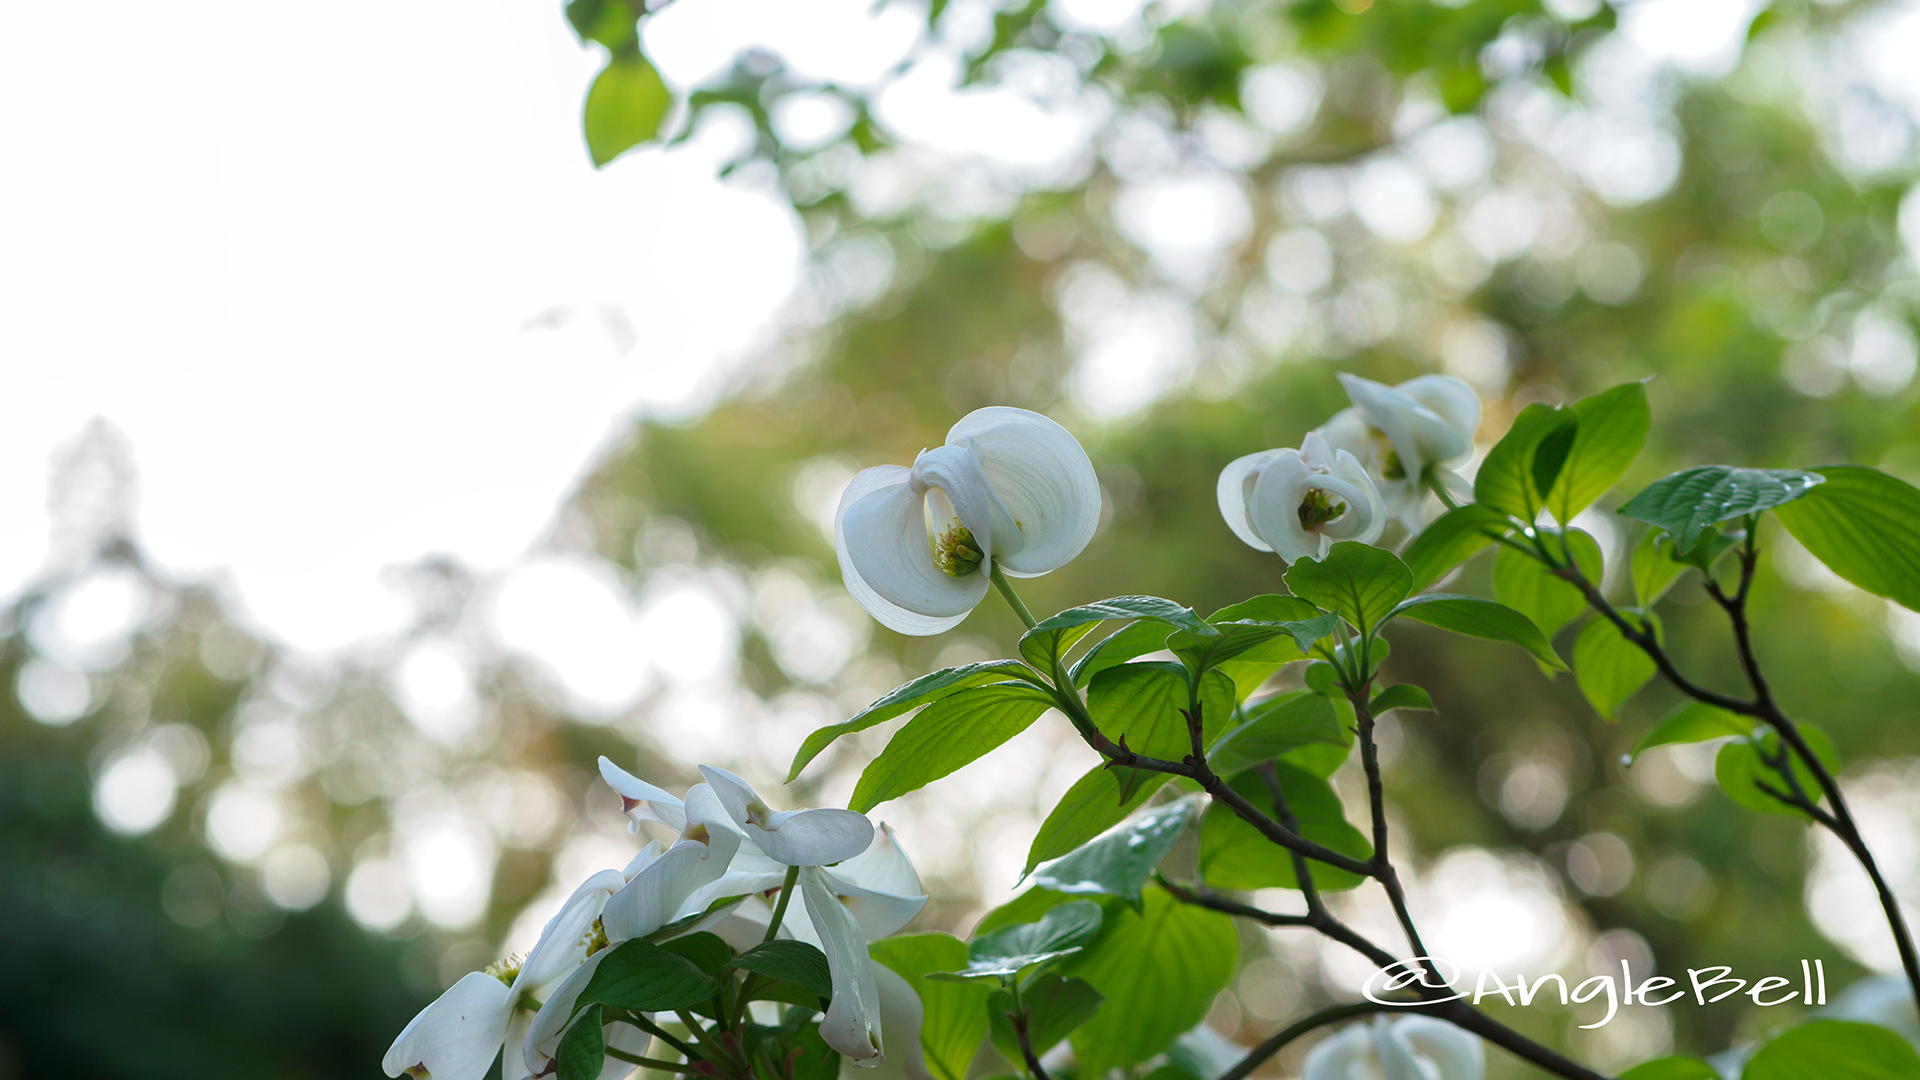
(1740, 770)
(1508, 480)
(1671, 1068)
(955, 1013)
(1608, 667)
(1654, 567)
(1451, 539)
(625, 107)
(1834, 1050)
(1234, 855)
(1402, 696)
(1612, 428)
(1159, 970)
(1695, 721)
(1865, 525)
(1524, 583)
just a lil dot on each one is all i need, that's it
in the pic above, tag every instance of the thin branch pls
(1383, 870)
(1034, 1068)
(1273, 1043)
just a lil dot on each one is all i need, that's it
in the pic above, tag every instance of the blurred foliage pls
(1758, 273)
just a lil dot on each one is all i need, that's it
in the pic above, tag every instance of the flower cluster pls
(1369, 464)
(731, 855)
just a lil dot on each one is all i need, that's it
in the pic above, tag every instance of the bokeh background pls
(370, 462)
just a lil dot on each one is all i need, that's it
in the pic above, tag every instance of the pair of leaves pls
(1561, 458)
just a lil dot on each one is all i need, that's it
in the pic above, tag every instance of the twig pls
(1273, 1043)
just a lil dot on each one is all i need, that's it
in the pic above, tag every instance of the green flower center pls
(1318, 508)
(1391, 467)
(956, 553)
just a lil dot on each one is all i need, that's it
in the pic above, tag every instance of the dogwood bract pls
(1009, 487)
(1404, 1048)
(1405, 434)
(1296, 503)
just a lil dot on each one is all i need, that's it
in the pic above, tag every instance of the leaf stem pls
(1013, 599)
(780, 906)
(656, 1064)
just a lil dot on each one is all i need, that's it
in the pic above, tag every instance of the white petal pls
(1456, 1053)
(792, 837)
(543, 1035)
(1044, 478)
(957, 472)
(563, 941)
(883, 867)
(633, 1041)
(456, 1037)
(901, 1013)
(881, 538)
(1235, 486)
(879, 913)
(511, 1067)
(1391, 1050)
(1346, 430)
(852, 1022)
(642, 801)
(1419, 435)
(649, 901)
(1454, 402)
(1274, 507)
(1366, 516)
(1334, 1058)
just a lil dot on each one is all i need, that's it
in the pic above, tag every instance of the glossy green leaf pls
(1360, 581)
(1834, 1050)
(1279, 642)
(1055, 634)
(789, 961)
(1274, 726)
(1695, 721)
(952, 732)
(1090, 807)
(955, 1013)
(705, 950)
(1655, 567)
(1119, 864)
(1028, 907)
(583, 1049)
(1612, 428)
(1524, 583)
(1402, 696)
(1451, 539)
(625, 107)
(1130, 642)
(1234, 855)
(1688, 501)
(1671, 1068)
(1865, 525)
(1055, 1006)
(1005, 952)
(1740, 770)
(1608, 667)
(1478, 617)
(644, 977)
(1508, 481)
(1159, 970)
(1144, 701)
(921, 691)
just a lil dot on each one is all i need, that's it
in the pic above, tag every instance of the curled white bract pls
(1403, 1048)
(1296, 503)
(1405, 434)
(1009, 486)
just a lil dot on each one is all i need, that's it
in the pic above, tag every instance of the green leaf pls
(1508, 481)
(1119, 864)
(1479, 617)
(1128, 642)
(1612, 428)
(1451, 539)
(610, 22)
(1402, 696)
(1028, 907)
(1055, 634)
(1234, 855)
(1005, 952)
(812, 1058)
(789, 961)
(644, 977)
(583, 1049)
(680, 925)
(706, 951)
(1739, 768)
(1252, 667)
(1690, 500)
(1608, 667)
(1655, 567)
(1671, 1068)
(1089, 808)
(1865, 525)
(625, 107)
(955, 1019)
(950, 733)
(1695, 721)
(1524, 583)
(1055, 1006)
(1160, 972)
(1278, 642)
(1275, 725)
(925, 689)
(1835, 1050)
(1143, 701)
(1360, 581)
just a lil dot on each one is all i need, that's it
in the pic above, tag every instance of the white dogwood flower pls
(1009, 487)
(1405, 434)
(1296, 503)
(1403, 1048)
